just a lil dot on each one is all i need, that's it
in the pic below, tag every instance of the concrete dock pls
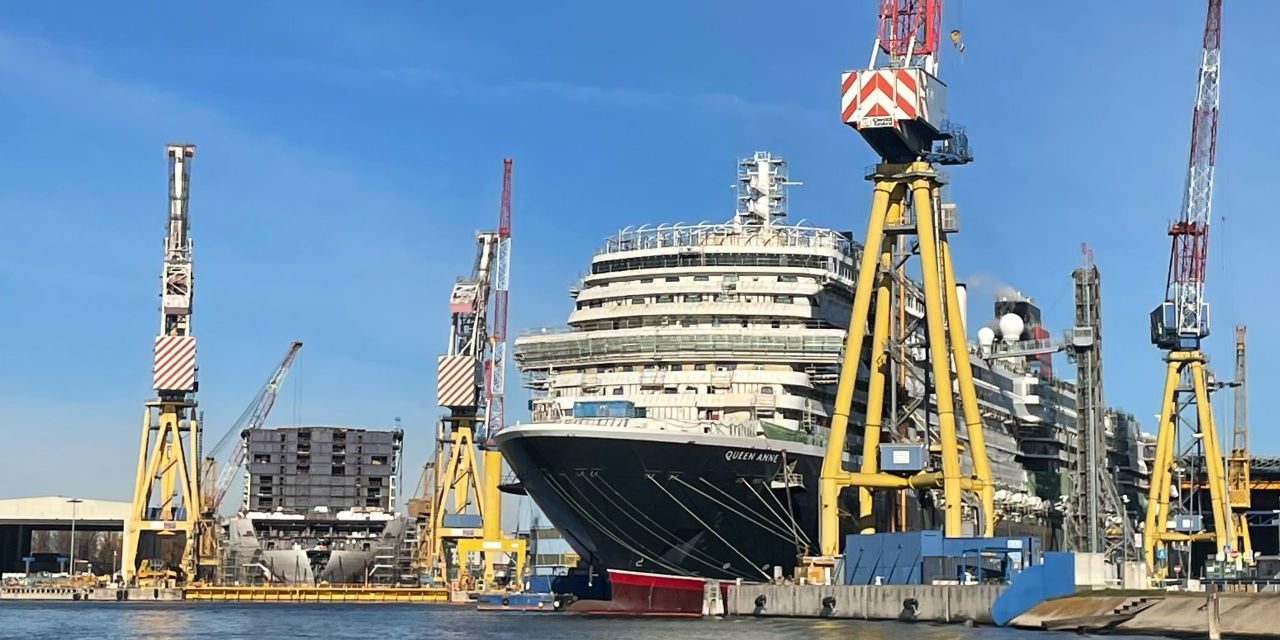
(926, 603)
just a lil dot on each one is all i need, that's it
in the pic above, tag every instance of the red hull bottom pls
(649, 594)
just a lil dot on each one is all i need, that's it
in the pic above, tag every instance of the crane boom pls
(1183, 320)
(253, 417)
(495, 417)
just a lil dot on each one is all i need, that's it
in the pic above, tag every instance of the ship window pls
(732, 277)
(776, 324)
(690, 389)
(688, 322)
(671, 389)
(595, 304)
(617, 391)
(638, 301)
(785, 299)
(628, 368)
(715, 322)
(693, 297)
(786, 278)
(767, 390)
(701, 278)
(722, 367)
(665, 298)
(700, 367)
(673, 278)
(645, 280)
(262, 458)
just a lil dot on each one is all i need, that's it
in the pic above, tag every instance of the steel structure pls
(166, 495)
(218, 481)
(495, 418)
(474, 363)
(1239, 463)
(1178, 325)
(1096, 521)
(897, 107)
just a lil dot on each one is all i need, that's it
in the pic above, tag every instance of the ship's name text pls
(751, 456)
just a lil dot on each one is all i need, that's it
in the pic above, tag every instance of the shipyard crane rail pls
(253, 417)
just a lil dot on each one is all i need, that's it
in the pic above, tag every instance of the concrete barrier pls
(931, 603)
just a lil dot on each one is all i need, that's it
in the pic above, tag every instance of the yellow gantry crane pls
(465, 386)
(1178, 325)
(161, 535)
(897, 107)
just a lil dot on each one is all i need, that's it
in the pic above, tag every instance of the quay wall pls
(931, 603)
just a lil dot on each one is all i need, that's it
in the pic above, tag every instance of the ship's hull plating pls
(672, 503)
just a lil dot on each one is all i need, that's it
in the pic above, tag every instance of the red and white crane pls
(496, 417)
(1178, 325)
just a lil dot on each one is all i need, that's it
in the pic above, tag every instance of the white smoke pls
(985, 284)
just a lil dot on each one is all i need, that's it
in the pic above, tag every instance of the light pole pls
(74, 502)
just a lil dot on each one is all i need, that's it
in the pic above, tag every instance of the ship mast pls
(762, 194)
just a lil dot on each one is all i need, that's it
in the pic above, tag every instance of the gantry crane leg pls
(1224, 523)
(165, 471)
(894, 183)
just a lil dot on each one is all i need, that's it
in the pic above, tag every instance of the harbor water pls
(71, 620)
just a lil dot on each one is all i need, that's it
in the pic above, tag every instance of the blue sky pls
(348, 151)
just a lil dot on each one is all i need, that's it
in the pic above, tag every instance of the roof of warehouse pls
(56, 508)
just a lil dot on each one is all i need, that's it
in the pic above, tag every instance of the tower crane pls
(1178, 326)
(166, 495)
(897, 105)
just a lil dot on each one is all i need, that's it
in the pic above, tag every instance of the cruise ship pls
(679, 420)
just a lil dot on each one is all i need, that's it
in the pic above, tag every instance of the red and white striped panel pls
(174, 368)
(881, 97)
(456, 381)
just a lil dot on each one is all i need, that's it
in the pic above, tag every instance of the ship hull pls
(664, 512)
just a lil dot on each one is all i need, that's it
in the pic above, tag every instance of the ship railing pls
(801, 347)
(724, 234)
(618, 324)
